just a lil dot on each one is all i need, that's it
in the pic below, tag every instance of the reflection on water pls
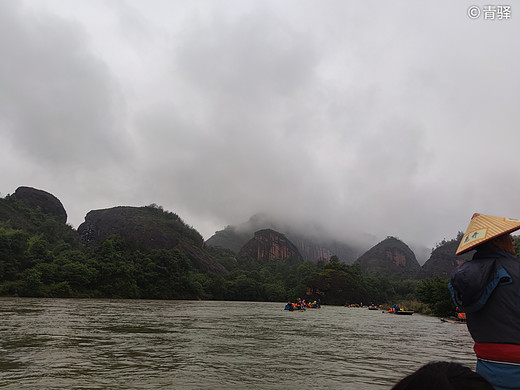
(107, 344)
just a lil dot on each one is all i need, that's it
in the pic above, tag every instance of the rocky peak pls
(268, 244)
(391, 256)
(46, 202)
(139, 225)
(313, 244)
(146, 228)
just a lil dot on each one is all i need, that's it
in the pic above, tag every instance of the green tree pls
(275, 292)
(38, 252)
(337, 287)
(32, 284)
(245, 288)
(115, 270)
(435, 293)
(13, 244)
(378, 287)
(517, 245)
(305, 271)
(60, 290)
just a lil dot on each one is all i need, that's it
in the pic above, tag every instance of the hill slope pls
(313, 245)
(268, 244)
(146, 228)
(443, 260)
(390, 257)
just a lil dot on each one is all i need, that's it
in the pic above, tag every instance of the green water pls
(130, 344)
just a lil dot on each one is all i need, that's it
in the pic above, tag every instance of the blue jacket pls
(487, 288)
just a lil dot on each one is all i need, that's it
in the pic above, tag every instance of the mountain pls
(33, 212)
(312, 242)
(151, 227)
(28, 207)
(443, 260)
(230, 238)
(146, 228)
(268, 244)
(149, 253)
(390, 257)
(10, 213)
(43, 200)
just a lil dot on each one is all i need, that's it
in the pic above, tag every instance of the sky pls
(376, 117)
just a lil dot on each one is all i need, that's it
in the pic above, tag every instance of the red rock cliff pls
(268, 244)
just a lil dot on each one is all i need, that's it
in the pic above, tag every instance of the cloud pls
(60, 105)
(387, 119)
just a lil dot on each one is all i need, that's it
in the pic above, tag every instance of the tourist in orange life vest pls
(487, 289)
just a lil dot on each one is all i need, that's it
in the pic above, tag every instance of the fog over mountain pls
(372, 119)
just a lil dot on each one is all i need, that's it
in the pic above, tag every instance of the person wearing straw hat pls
(487, 289)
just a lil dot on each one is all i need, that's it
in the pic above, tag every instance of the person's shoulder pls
(476, 266)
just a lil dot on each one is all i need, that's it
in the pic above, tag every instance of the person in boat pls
(443, 375)
(460, 315)
(487, 290)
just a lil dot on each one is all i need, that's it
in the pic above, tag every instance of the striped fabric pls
(483, 228)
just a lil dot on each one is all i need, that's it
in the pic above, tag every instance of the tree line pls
(46, 259)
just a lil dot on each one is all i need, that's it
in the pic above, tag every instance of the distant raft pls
(404, 312)
(302, 305)
(397, 310)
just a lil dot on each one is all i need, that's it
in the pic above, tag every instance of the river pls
(137, 344)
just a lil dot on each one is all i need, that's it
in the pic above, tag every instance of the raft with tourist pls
(300, 304)
(395, 309)
(459, 317)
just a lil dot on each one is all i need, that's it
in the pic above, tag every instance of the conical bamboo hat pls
(483, 228)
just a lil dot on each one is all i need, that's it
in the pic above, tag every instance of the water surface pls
(135, 344)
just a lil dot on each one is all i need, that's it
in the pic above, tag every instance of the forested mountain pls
(123, 252)
(28, 208)
(443, 259)
(145, 229)
(313, 245)
(390, 257)
(147, 252)
(268, 244)
(38, 199)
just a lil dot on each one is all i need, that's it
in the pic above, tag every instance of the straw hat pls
(483, 228)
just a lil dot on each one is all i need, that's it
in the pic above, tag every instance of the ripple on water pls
(215, 345)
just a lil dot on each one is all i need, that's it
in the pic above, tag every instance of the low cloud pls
(387, 120)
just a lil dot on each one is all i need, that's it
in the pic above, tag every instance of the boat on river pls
(451, 320)
(302, 305)
(395, 309)
(459, 318)
(404, 312)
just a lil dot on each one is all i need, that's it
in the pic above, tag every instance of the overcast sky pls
(380, 117)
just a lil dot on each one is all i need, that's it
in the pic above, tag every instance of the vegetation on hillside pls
(42, 257)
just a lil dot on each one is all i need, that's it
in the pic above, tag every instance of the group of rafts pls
(302, 305)
(395, 309)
